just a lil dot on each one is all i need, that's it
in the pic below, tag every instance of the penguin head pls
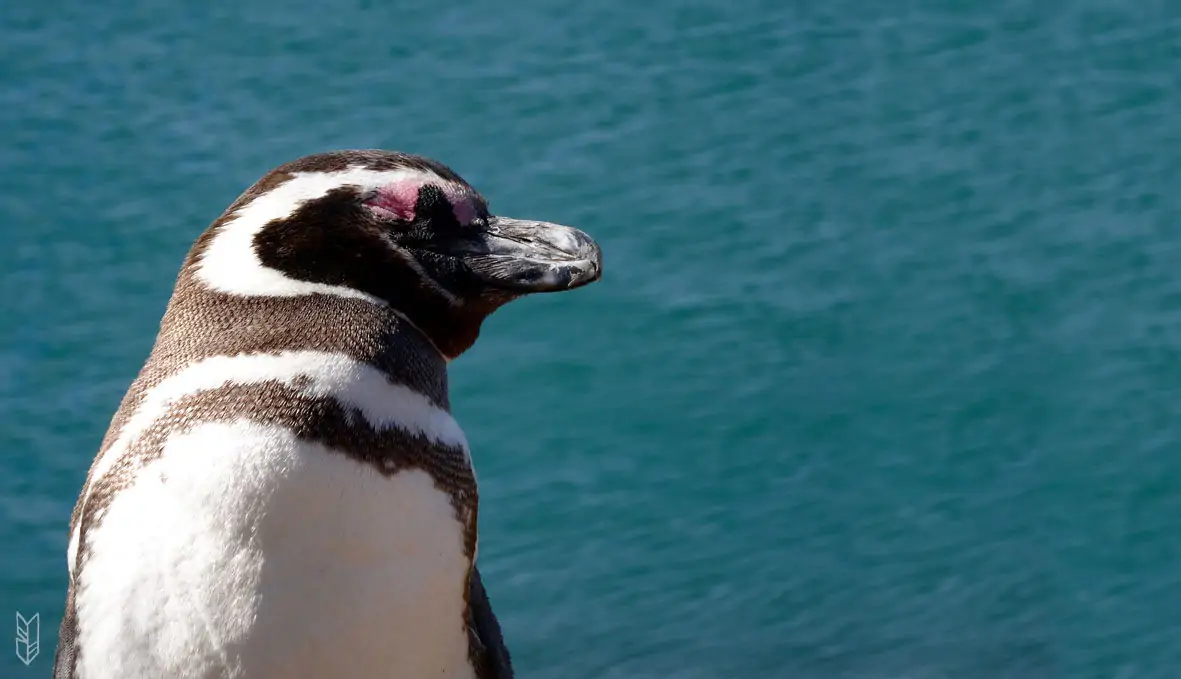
(401, 229)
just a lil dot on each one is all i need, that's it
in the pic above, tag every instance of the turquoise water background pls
(882, 379)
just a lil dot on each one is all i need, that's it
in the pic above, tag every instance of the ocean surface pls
(883, 378)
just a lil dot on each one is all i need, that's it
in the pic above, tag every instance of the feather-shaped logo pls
(28, 637)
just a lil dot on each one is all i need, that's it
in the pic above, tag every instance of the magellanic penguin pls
(283, 492)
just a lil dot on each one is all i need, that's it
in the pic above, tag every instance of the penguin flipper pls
(494, 661)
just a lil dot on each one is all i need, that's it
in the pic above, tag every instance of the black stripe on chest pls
(315, 419)
(202, 324)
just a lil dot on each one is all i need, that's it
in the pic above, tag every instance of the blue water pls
(881, 381)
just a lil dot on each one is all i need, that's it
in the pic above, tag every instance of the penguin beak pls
(524, 256)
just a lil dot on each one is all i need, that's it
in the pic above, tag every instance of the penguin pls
(283, 491)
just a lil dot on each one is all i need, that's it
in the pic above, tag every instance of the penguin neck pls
(410, 356)
(201, 323)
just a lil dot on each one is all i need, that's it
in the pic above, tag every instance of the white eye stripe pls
(230, 263)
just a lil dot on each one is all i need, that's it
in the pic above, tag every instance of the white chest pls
(245, 552)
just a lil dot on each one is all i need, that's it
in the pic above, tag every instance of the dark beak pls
(524, 256)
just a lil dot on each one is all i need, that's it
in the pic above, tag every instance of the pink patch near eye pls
(463, 209)
(396, 200)
(399, 199)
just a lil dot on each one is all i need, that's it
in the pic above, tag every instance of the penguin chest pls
(244, 551)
